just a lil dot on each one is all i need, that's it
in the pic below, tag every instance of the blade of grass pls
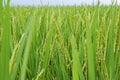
(90, 51)
(110, 61)
(15, 61)
(46, 50)
(30, 28)
(5, 49)
(76, 66)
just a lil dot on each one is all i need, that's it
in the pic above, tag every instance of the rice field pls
(60, 43)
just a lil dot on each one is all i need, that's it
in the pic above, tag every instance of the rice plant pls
(60, 42)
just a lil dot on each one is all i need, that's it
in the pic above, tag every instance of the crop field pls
(60, 43)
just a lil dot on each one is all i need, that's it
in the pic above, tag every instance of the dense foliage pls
(61, 43)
